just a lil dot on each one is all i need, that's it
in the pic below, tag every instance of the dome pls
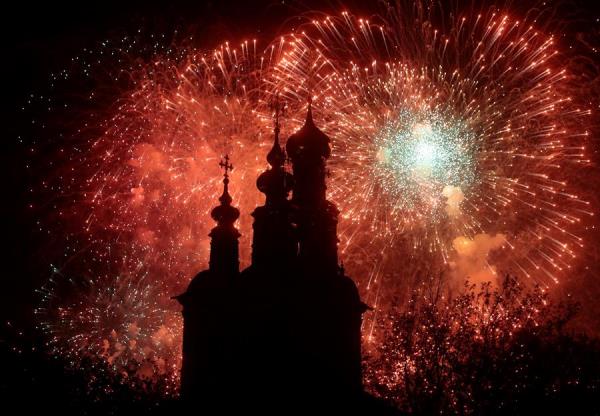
(275, 181)
(225, 213)
(309, 140)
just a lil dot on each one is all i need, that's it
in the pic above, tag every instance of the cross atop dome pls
(275, 182)
(224, 163)
(279, 108)
(276, 156)
(225, 214)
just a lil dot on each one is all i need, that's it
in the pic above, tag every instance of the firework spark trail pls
(452, 150)
(151, 180)
(462, 134)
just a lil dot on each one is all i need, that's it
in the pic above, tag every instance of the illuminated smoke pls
(454, 197)
(471, 260)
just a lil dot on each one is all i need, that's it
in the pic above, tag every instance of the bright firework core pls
(425, 154)
(419, 157)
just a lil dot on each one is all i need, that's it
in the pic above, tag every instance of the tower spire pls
(308, 149)
(309, 114)
(275, 182)
(276, 156)
(225, 198)
(224, 251)
(273, 244)
(317, 218)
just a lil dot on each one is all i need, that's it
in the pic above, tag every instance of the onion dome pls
(275, 182)
(225, 214)
(309, 141)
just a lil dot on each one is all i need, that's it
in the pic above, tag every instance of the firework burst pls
(119, 325)
(142, 206)
(452, 151)
(455, 146)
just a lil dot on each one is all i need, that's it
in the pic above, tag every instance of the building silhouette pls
(284, 334)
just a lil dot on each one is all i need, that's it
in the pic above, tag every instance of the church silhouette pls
(283, 335)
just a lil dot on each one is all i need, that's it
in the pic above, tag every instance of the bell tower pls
(274, 246)
(224, 248)
(208, 323)
(316, 217)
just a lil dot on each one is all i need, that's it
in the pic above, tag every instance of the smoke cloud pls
(471, 260)
(454, 196)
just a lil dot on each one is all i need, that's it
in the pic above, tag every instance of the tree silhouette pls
(489, 350)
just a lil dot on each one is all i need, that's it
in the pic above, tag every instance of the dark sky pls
(40, 38)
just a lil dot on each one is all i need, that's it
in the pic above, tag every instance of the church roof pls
(309, 139)
(225, 214)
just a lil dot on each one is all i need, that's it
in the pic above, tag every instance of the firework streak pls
(452, 152)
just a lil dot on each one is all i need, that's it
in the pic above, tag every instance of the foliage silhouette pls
(504, 350)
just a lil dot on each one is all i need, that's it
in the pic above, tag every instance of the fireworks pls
(466, 134)
(452, 151)
(148, 188)
(116, 321)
